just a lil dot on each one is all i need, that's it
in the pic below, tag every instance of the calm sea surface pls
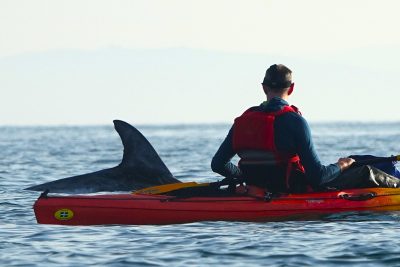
(32, 155)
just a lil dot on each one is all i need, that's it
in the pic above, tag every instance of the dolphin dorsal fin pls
(139, 151)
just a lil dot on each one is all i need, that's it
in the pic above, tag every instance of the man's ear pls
(291, 88)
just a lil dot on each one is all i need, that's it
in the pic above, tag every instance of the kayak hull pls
(159, 209)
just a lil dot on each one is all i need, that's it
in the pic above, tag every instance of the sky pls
(189, 61)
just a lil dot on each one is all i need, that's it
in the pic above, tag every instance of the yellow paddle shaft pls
(160, 189)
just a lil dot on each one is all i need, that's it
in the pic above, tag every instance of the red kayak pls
(161, 209)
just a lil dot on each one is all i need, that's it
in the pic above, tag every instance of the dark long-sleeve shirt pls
(293, 135)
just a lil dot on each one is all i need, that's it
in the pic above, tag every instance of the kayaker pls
(275, 146)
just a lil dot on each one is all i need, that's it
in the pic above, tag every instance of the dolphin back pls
(140, 167)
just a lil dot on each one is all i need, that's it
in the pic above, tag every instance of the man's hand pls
(345, 163)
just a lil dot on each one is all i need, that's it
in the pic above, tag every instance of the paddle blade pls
(161, 189)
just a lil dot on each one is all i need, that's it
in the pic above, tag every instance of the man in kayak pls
(276, 150)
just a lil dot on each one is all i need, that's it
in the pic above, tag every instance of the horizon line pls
(152, 124)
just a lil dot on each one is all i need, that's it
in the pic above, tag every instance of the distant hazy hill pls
(183, 85)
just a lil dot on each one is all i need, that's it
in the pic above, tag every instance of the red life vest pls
(254, 141)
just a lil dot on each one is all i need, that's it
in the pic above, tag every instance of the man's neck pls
(272, 95)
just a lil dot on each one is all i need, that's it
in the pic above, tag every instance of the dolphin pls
(140, 167)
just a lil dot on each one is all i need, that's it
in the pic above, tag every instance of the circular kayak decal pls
(64, 214)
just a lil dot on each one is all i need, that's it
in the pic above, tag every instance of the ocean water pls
(32, 155)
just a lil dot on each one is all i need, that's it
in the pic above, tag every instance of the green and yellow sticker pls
(64, 214)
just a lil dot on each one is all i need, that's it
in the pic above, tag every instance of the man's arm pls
(221, 162)
(317, 174)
